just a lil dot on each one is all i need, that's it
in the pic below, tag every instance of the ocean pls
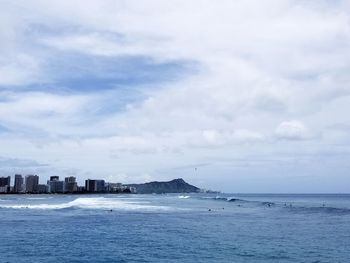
(175, 228)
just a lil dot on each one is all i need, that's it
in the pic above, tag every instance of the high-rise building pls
(18, 187)
(89, 185)
(70, 184)
(5, 184)
(32, 182)
(100, 186)
(94, 186)
(55, 185)
(5, 181)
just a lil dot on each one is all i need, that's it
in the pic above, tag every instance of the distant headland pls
(173, 186)
(30, 185)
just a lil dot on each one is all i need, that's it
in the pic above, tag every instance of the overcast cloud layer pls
(240, 96)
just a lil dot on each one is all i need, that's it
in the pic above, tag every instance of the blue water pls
(175, 228)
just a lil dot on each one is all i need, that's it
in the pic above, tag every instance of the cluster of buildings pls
(30, 185)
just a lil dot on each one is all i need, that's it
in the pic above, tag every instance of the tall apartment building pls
(55, 185)
(19, 184)
(32, 182)
(70, 184)
(5, 184)
(94, 186)
(5, 181)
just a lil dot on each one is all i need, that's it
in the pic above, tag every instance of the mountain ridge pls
(162, 187)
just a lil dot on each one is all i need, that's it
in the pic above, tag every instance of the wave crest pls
(92, 203)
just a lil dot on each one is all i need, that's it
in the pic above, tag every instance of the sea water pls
(175, 228)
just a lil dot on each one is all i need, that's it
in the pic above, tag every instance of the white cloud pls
(292, 130)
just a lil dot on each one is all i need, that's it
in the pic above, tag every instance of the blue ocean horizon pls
(175, 228)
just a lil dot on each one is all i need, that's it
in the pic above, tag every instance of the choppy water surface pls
(175, 228)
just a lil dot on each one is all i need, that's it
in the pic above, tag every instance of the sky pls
(237, 96)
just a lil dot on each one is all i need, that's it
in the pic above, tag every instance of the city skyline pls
(30, 184)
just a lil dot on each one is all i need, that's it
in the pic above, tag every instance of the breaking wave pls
(92, 203)
(184, 196)
(226, 199)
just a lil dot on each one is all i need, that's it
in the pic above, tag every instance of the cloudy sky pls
(239, 96)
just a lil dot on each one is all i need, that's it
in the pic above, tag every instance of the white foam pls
(92, 203)
(184, 196)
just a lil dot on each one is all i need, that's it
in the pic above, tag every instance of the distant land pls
(173, 186)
